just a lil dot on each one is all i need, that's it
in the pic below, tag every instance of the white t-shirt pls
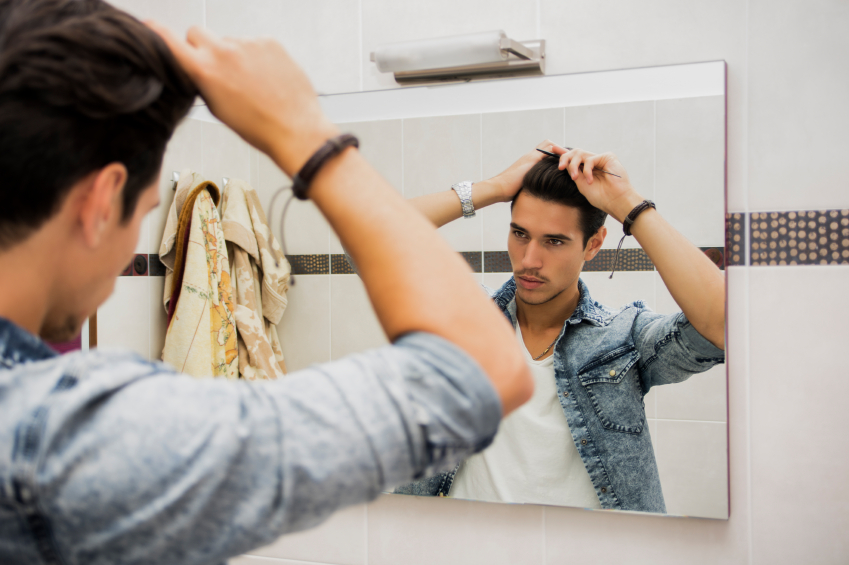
(533, 458)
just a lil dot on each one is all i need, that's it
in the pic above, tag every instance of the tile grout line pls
(747, 358)
(480, 165)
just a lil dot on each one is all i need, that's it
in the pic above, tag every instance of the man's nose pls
(533, 256)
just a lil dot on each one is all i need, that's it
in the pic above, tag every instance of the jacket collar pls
(19, 346)
(587, 310)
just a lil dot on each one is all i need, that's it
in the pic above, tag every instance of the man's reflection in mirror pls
(583, 439)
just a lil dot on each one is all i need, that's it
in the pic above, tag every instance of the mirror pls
(666, 125)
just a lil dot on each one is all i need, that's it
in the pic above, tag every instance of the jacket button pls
(603, 489)
(565, 395)
(612, 373)
(583, 442)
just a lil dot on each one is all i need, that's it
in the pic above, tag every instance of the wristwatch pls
(464, 191)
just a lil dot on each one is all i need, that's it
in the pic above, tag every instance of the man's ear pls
(101, 202)
(594, 244)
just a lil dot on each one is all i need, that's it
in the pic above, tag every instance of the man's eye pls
(518, 233)
(555, 242)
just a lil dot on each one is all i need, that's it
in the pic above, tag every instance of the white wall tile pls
(798, 116)
(354, 326)
(253, 560)
(414, 529)
(701, 397)
(625, 287)
(800, 448)
(304, 330)
(179, 16)
(340, 540)
(690, 185)
(124, 319)
(144, 242)
(322, 36)
(692, 458)
(390, 22)
(439, 152)
(225, 154)
(184, 151)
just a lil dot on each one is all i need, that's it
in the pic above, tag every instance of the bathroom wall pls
(788, 449)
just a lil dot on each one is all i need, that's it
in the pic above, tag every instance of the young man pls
(582, 440)
(107, 458)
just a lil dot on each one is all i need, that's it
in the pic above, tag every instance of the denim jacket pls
(108, 459)
(605, 361)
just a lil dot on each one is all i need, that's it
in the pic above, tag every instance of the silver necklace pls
(546, 349)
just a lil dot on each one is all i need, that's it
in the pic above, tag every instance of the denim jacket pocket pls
(613, 387)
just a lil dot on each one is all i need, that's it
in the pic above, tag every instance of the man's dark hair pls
(82, 85)
(548, 183)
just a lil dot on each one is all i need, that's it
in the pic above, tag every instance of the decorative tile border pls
(735, 239)
(808, 237)
(814, 237)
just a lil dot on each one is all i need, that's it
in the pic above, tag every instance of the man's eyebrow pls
(516, 226)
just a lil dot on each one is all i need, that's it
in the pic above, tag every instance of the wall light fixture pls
(489, 54)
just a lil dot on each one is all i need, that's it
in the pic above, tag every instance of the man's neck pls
(25, 275)
(550, 315)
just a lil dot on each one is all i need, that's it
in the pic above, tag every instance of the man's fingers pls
(588, 169)
(201, 37)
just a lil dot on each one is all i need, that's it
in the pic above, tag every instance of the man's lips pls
(528, 283)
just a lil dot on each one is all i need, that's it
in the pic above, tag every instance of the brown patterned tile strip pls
(629, 260)
(715, 254)
(474, 259)
(496, 262)
(815, 237)
(310, 264)
(339, 265)
(155, 266)
(735, 239)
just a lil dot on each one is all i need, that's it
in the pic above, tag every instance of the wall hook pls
(175, 178)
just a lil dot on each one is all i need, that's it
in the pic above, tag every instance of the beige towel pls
(202, 337)
(260, 277)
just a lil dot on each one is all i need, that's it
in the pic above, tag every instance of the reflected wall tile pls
(692, 458)
(625, 129)
(184, 151)
(225, 154)
(254, 560)
(797, 109)
(496, 280)
(354, 326)
(323, 39)
(390, 22)
(690, 186)
(340, 540)
(306, 230)
(413, 529)
(505, 137)
(800, 448)
(650, 401)
(158, 318)
(124, 319)
(304, 330)
(625, 287)
(440, 152)
(701, 397)
(381, 143)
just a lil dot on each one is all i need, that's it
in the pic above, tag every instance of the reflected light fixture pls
(488, 54)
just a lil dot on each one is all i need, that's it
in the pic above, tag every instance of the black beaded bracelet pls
(626, 227)
(334, 146)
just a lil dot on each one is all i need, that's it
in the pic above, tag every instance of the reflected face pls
(92, 279)
(546, 248)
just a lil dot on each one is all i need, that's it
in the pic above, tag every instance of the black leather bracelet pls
(632, 217)
(334, 146)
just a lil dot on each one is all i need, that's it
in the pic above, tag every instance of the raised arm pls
(414, 280)
(694, 281)
(444, 207)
